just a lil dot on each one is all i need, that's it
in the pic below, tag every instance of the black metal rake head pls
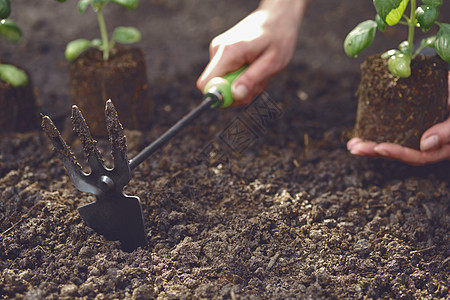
(115, 215)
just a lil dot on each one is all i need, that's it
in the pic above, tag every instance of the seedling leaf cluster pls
(393, 12)
(11, 32)
(121, 34)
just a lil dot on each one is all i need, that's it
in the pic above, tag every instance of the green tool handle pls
(223, 85)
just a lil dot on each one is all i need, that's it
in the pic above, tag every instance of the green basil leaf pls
(426, 16)
(442, 43)
(10, 31)
(381, 24)
(99, 2)
(75, 48)
(130, 4)
(83, 5)
(428, 42)
(400, 65)
(5, 9)
(404, 47)
(126, 35)
(434, 3)
(13, 75)
(391, 11)
(97, 5)
(360, 38)
(96, 43)
(390, 53)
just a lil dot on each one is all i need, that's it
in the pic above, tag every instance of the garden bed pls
(281, 210)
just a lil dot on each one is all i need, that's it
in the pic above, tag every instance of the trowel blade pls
(116, 218)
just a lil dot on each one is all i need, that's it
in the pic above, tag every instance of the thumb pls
(252, 81)
(436, 136)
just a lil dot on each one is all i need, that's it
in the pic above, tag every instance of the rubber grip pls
(223, 84)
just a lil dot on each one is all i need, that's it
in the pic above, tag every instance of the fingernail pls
(352, 143)
(381, 151)
(429, 143)
(240, 92)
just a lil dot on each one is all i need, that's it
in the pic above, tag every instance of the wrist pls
(288, 8)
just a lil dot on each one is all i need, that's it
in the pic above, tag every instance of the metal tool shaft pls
(162, 140)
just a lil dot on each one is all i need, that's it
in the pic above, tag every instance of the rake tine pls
(89, 144)
(69, 160)
(118, 144)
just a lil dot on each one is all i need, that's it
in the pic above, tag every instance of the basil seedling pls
(123, 35)
(392, 12)
(12, 33)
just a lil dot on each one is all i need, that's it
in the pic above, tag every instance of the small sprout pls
(76, 47)
(123, 35)
(11, 32)
(126, 35)
(13, 75)
(392, 12)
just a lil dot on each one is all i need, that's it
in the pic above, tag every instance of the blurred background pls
(175, 38)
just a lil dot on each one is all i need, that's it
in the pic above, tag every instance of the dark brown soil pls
(399, 110)
(123, 79)
(262, 202)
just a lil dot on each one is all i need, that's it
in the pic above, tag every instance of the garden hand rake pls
(114, 214)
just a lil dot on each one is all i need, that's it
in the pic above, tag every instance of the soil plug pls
(17, 101)
(101, 69)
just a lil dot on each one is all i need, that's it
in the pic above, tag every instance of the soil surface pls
(262, 202)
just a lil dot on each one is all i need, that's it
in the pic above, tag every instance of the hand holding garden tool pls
(114, 214)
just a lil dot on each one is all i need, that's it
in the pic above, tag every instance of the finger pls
(253, 80)
(364, 149)
(436, 136)
(224, 61)
(250, 96)
(352, 142)
(412, 156)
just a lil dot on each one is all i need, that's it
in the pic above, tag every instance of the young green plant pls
(121, 34)
(11, 32)
(392, 12)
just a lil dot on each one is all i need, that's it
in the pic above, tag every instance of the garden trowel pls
(115, 215)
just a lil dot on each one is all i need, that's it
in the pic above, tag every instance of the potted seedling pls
(17, 102)
(102, 70)
(401, 93)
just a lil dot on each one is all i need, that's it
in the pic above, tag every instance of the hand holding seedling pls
(435, 142)
(264, 40)
(124, 35)
(434, 146)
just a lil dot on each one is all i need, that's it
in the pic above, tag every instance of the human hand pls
(434, 146)
(265, 41)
